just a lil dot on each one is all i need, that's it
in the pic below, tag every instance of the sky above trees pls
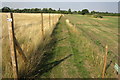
(97, 6)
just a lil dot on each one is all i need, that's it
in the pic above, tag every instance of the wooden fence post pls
(53, 19)
(42, 25)
(105, 61)
(49, 20)
(20, 50)
(12, 45)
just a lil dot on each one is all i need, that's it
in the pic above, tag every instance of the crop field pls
(74, 46)
(28, 33)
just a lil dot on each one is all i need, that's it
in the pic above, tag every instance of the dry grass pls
(0, 47)
(28, 33)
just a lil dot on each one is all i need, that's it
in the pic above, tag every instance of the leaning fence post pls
(42, 25)
(12, 45)
(105, 61)
(20, 50)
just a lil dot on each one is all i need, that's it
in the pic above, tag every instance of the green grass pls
(62, 49)
(75, 65)
(87, 46)
(105, 31)
(99, 33)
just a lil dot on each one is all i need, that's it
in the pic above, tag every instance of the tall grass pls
(28, 33)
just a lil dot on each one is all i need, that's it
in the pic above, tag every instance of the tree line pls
(50, 10)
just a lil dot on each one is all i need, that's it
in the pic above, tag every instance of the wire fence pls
(24, 35)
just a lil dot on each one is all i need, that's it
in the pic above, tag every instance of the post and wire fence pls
(14, 44)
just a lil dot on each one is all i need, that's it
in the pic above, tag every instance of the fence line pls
(42, 26)
(49, 20)
(14, 44)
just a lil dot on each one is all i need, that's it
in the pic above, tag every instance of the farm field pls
(85, 38)
(29, 35)
(74, 46)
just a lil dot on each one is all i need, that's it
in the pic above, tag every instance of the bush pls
(97, 16)
(85, 11)
(6, 9)
(100, 16)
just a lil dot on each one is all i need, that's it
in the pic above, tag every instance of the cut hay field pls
(85, 38)
(98, 34)
(101, 31)
(28, 33)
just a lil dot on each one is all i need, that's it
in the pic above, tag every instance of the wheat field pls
(28, 32)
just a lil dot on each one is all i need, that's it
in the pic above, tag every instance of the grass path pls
(65, 67)
(68, 61)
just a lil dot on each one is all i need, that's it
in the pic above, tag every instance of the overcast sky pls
(97, 6)
(59, 0)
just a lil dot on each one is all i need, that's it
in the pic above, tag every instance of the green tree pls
(45, 10)
(59, 9)
(69, 11)
(0, 10)
(85, 11)
(79, 12)
(50, 10)
(75, 12)
(93, 12)
(6, 9)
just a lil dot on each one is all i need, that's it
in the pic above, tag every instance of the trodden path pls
(71, 53)
(64, 59)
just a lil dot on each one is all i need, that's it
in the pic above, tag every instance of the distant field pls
(28, 33)
(101, 32)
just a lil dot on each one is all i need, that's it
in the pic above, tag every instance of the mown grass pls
(78, 65)
(87, 50)
(79, 59)
(62, 49)
(99, 34)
